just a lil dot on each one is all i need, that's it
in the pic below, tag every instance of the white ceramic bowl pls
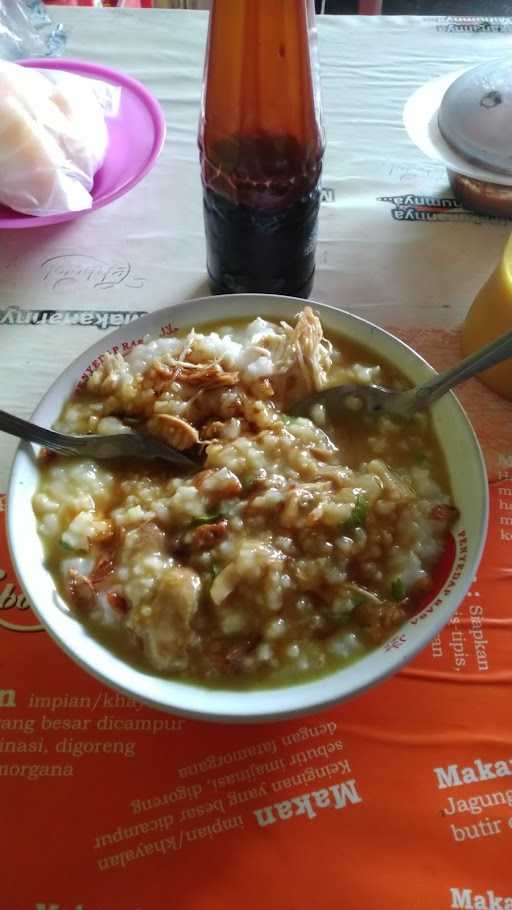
(469, 485)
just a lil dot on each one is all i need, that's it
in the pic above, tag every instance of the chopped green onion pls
(398, 591)
(359, 513)
(343, 619)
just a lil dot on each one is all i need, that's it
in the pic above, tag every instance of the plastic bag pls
(53, 138)
(26, 30)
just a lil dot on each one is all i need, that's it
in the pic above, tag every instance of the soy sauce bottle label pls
(261, 147)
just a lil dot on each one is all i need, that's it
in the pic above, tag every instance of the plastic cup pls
(490, 316)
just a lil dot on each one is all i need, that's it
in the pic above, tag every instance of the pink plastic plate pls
(136, 137)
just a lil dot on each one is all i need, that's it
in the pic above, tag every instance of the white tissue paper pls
(53, 138)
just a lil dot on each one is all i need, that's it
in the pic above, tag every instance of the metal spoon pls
(375, 399)
(121, 445)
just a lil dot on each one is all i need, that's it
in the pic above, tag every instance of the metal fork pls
(375, 399)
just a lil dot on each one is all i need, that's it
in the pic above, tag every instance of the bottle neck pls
(260, 88)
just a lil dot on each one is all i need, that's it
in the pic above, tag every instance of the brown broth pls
(351, 434)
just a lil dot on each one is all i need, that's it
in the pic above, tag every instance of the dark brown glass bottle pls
(261, 147)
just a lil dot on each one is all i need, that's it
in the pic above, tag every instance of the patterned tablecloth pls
(398, 800)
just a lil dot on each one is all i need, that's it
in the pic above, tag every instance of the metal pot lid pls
(475, 115)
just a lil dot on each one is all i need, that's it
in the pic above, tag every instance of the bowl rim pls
(186, 699)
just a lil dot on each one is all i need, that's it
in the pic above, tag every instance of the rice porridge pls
(300, 544)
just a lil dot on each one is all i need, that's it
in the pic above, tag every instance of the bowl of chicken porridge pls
(303, 560)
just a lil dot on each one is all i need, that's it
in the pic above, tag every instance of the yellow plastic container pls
(490, 316)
